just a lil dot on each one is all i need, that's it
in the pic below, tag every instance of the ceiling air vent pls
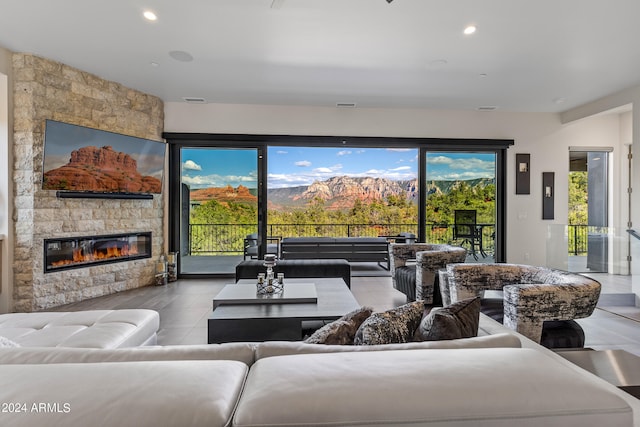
(192, 100)
(346, 104)
(487, 108)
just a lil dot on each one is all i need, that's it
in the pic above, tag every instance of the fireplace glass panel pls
(76, 252)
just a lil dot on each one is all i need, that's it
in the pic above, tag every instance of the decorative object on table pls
(547, 195)
(161, 271)
(172, 266)
(267, 283)
(523, 174)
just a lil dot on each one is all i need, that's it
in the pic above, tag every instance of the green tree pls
(578, 198)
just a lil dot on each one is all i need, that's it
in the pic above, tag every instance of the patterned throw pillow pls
(459, 320)
(341, 331)
(392, 326)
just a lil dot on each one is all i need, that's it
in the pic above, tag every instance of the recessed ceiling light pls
(482, 75)
(150, 16)
(470, 29)
(154, 64)
(559, 100)
(180, 55)
(437, 63)
(194, 100)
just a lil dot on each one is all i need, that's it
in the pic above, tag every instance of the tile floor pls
(184, 307)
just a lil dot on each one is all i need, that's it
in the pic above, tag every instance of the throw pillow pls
(7, 343)
(341, 331)
(392, 326)
(459, 320)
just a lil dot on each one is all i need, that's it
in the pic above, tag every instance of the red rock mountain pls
(223, 194)
(100, 169)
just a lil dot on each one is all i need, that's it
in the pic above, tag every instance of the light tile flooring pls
(184, 307)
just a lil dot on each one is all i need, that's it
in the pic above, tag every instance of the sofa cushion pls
(151, 394)
(284, 348)
(459, 320)
(341, 331)
(426, 387)
(392, 326)
(242, 352)
(86, 329)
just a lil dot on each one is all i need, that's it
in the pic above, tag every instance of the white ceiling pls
(534, 56)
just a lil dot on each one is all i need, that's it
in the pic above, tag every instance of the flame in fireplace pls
(110, 252)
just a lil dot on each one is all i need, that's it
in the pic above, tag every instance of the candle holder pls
(172, 266)
(161, 271)
(267, 283)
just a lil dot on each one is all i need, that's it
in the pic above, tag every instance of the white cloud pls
(343, 153)
(303, 163)
(282, 152)
(439, 160)
(191, 165)
(323, 170)
(401, 168)
(400, 149)
(204, 181)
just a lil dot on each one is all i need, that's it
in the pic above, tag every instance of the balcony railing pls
(228, 239)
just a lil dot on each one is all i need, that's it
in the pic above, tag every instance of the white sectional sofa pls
(499, 378)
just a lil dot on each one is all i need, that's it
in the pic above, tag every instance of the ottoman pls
(82, 329)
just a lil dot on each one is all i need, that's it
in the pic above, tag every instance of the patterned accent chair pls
(538, 302)
(419, 280)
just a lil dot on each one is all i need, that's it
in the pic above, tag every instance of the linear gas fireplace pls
(75, 252)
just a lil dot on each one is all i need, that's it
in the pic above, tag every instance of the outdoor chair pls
(251, 246)
(466, 228)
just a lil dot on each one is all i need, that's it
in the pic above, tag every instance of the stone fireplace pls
(78, 252)
(45, 89)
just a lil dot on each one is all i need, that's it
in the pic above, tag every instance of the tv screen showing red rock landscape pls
(78, 158)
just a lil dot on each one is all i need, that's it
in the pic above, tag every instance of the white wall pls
(541, 135)
(6, 188)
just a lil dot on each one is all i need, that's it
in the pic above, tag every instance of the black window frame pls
(179, 140)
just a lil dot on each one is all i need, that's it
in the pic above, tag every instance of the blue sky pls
(294, 166)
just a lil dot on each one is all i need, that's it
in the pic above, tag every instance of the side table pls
(617, 367)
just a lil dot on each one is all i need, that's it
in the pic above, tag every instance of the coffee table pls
(258, 320)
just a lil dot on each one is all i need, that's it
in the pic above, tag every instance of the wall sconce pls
(547, 195)
(523, 172)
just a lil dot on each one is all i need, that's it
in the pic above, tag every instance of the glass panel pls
(219, 209)
(461, 202)
(588, 234)
(342, 192)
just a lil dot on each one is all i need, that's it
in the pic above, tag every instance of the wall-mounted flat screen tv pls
(81, 159)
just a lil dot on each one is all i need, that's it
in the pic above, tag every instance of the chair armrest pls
(527, 306)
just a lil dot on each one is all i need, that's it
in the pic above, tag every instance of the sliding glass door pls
(218, 209)
(461, 202)
(342, 192)
(235, 197)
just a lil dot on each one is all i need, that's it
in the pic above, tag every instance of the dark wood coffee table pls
(269, 321)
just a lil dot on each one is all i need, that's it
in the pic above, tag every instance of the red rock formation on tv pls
(100, 169)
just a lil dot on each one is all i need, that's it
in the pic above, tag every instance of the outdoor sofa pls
(353, 249)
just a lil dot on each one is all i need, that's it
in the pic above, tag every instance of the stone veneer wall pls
(44, 89)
